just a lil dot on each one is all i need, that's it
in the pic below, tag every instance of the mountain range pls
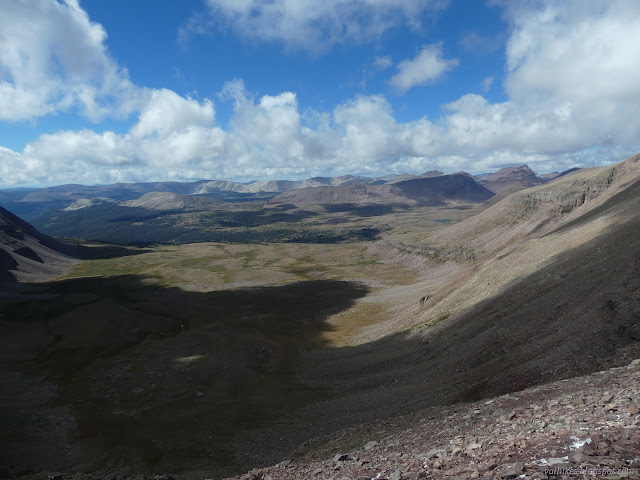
(31, 203)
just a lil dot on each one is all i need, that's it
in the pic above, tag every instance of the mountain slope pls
(26, 254)
(564, 425)
(555, 298)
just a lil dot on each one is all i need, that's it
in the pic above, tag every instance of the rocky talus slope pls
(585, 427)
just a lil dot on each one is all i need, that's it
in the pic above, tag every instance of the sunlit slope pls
(551, 292)
(527, 232)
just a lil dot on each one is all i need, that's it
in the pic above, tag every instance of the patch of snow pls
(578, 443)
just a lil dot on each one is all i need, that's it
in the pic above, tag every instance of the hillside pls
(437, 190)
(171, 201)
(26, 254)
(536, 433)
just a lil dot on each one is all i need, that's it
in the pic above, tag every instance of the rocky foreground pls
(585, 427)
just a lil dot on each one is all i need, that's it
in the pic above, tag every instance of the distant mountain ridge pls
(278, 186)
(32, 203)
(436, 190)
(407, 176)
(170, 201)
(511, 179)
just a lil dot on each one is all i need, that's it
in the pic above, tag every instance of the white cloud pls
(382, 63)
(582, 58)
(572, 82)
(425, 68)
(167, 112)
(313, 25)
(570, 101)
(53, 58)
(486, 83)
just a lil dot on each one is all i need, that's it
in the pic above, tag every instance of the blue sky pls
(99, 92)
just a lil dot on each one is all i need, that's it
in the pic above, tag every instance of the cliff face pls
(562, 198)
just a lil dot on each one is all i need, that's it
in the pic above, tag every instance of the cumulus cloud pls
(425, 68)
(579, 56)
(310, 24)
(570, 101)
(571, 80)
(166, 112)
(53, 58)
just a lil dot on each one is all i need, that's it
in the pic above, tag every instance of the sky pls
(154, 90)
